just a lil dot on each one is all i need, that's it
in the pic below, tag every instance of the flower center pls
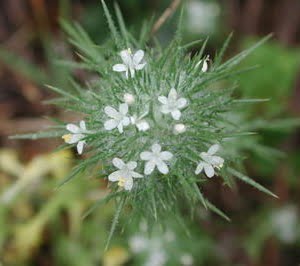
(67, 137)
(121, 182)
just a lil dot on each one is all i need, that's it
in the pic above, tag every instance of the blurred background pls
(43, 226)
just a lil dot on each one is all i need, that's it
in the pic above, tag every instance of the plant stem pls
(165, 15)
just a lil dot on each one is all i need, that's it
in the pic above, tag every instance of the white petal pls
(128, 184)
(176, 114)
(132, 72)
(166, 156)
(126, 57)
(199, 168)
(205, 66)
(213, 149)
(217, 160)
(165, 109)
(117, 162)
(140, 66)
(75, 138)
(125, 121)
(110, 124)
(120, 128)
(111, 112)
(146, 155)
(172, 94)
(80, 147)
(138, 57)
(181, 103)
(82, 125)
(162, 167)
(156, 148)
(136, 175)
(131, 165)
(120, 68)
(72, 128)
(205, 156)
(123, 108)
(115, 176)
(209, 170)
(149, 167)
(163, 99)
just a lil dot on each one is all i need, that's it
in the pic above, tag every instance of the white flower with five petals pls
(76, 135)
(118, 119)
(172, 104)
(124, 176)
(156, 158)
(209, 161)
(131, 62)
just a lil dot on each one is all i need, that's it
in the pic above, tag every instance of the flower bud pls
(128, 98)
(179, 128)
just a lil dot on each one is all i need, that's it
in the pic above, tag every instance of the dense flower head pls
(160, 112)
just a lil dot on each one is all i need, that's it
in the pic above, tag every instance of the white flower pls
(118, 119)
(179, 128)
(131, 62)
(156, 158)
(157, 257)
(138, 243)
(285, 222)
(76, 135)
(209, 161)
(141, 124)
(186, 259)
(125, 174)
(129, 98)
(172, 104)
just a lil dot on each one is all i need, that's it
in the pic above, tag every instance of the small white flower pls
(138, 243)
(169, 236)
(77, 134)
(186, 259)
(157, 257)
(131, 62)
(118, 119)
(125, 174)
(179, 128)
(172, 104)
(156, 158)
(129, 98)
(285, 222)
(141, 124)
(209, 161)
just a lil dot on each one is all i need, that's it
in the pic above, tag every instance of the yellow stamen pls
(129, 51)
(121, 182)
(67, 137)
(219, 166)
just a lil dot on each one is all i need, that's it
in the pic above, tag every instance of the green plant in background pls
(157, 122)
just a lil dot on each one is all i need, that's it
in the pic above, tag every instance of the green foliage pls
(275, 77)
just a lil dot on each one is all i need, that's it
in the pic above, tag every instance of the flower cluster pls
(119, 118)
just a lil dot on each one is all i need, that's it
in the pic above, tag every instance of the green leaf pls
(250, 181)
(22, 66)
(111, 25)
(217, 211)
